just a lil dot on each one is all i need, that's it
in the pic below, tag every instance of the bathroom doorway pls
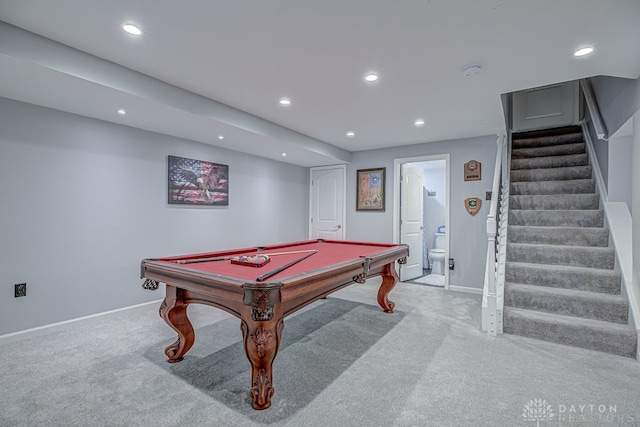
(421, 218)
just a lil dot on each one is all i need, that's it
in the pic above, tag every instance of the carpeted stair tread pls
(570, 186)
(551, 174)
(608, 337)
(540, 133)
(568, 302)
(555, 201)
(562, 276)
(572, 236)
(549, 150)
(543, 141)
(557, 218)
(576, 256)
(551, 162)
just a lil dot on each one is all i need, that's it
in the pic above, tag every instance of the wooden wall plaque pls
(473, 170)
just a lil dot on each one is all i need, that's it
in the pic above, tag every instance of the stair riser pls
(551, 174)
(616, 312)
(551, 150)
(598, 237)
(550, 162)
(543, 141)
(605, 281)
(621, 344)
(550, 132)
(580, 186)
(555, 202)
(558, 218)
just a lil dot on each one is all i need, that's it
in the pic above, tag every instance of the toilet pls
(438, 253)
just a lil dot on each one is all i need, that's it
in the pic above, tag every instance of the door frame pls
(344, 196)
(397, 167)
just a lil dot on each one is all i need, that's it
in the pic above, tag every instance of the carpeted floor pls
(342, 362)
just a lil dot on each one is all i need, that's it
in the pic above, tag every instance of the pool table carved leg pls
(174, 312)
(389, 280)
(261, 341)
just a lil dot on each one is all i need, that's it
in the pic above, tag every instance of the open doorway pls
(421, 218)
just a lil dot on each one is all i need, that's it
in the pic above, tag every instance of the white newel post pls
(492, 297)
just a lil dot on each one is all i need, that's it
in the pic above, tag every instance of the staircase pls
(561, 285)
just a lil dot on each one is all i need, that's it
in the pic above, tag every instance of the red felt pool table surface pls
(262, 305)
(329, 254)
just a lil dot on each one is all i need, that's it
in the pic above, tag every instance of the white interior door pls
(411, 217)
(327, 203)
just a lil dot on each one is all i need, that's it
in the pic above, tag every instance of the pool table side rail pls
(194, 288)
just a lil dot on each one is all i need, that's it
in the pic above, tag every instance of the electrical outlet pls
(20, 290)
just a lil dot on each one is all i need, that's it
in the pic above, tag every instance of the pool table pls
(261, 295)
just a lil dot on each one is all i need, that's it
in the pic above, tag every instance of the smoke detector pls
(471, 70)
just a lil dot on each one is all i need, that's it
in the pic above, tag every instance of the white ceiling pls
(200, 57)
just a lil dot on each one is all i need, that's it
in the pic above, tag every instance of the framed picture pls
(370, 190)
(197, 182)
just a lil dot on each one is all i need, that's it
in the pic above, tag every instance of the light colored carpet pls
(342, 362)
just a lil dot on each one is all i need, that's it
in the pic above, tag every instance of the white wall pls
(620, 165)
(635, 178)
(468, 239)
(83, 201)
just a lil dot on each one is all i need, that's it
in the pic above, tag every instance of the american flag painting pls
(196, 182)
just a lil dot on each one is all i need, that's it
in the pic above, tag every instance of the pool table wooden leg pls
(389, 280)
(174, 311)
(261, 341)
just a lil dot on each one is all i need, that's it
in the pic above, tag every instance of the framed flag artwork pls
(197, 182)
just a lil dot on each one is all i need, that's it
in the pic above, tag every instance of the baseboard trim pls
(52, 327)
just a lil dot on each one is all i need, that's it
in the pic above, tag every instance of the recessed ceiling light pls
(351, 134)
(220, 136)
(419, 122)
(371, 77)
(132, 29)
(122, 111)
(285, 101)
(583, 51)
(284, 154)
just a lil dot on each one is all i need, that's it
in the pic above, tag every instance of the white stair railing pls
(492, 301)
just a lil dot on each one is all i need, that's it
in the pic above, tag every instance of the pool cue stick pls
(222, 258)
(288, 253)
(284, 267)
(192, 261)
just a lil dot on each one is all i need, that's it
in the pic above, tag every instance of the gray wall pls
(83, 201)
(616, 99)
(468, 239)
